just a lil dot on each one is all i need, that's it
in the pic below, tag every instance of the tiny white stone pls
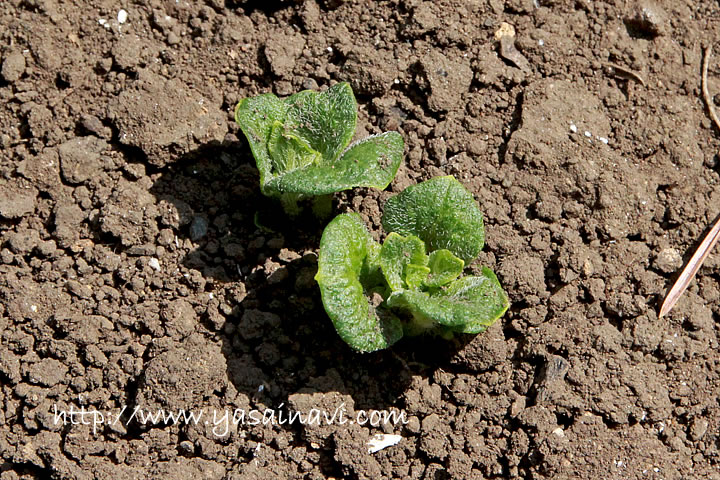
(559, 432)
(541, 42)
(261, 388)
(330, 49)
(382, 440)
(122, 16)
(33, 308)
(102, 21)
(603, 140)
(573, 128)
(154, 263)
(588, 134)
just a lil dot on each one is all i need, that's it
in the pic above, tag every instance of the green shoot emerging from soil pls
(301, 145)
(374, 294)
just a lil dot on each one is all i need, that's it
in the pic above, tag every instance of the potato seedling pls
(412, 283)
(302, 145)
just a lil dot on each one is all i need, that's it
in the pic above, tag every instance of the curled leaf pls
(397, 254)
(371, 162)
(468, 305)
(444, 268)
(351, 285)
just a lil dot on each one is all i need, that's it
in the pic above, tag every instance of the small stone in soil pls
(13, 67)
(198, 228)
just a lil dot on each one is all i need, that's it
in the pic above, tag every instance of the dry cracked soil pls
(134, 279)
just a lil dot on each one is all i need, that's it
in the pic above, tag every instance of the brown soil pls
(132, 273)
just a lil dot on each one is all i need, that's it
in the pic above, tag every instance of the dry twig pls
(681, 284)
(706, 94)
(627, 72)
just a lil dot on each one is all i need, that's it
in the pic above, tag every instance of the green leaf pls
(468, 305)
(325, 120)
(416, 275)
(444, 268)
(256, 117)
(442, 213)
(288, 151)
(371, 162)
(397, 254)
(300, 144)
(351, 285)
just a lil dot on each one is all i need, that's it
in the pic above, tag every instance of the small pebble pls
(154, 263)
(198, 228)
(13, 67)
(173, 39)
(668, 260)
(647, 18)
(122, 16)
(187, 446)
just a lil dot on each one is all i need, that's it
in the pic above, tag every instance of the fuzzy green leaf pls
(288, 151)
(444, 268)
(397, 254)
(442, 213)
(325, 120)
(257, 117)
(416, 276)
(317, 125)
(468, 305)
(371, 162)
(350, 285)
(300, 144)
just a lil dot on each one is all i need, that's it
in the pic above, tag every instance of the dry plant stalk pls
(703, 250)
(706, 94)
(691, 269)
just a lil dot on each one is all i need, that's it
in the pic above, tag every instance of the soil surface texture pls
(135, 280)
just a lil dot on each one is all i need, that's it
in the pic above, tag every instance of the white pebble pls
(154, 263)
(603, 140)
(573, 128)
(588, 134)
(102, 21)
(382, 440)
(122, 16)
(541, 42)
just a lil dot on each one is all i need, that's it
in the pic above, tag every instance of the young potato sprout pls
(412, 283)
(301, 145)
